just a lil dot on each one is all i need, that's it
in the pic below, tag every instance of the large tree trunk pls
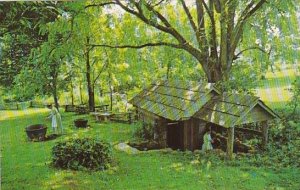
(212, 69)
(88, 78)
(214, 75)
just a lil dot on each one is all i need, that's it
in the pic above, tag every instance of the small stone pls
(126, 148)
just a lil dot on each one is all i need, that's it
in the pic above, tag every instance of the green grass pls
(25, 165)
(274, 90)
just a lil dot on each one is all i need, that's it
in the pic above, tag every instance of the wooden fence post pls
(129, 117)
(230, 141)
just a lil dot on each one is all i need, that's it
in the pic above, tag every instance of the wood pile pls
(220, 142)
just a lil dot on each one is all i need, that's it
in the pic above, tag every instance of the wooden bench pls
(122, 117)
(82, 109)
(70, 108)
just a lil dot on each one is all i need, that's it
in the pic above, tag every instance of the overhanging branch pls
(191, 20)
(238, 29)
(247, 49)
(164, 27)
(158, 3)
(138, 46)
(213, 29)
(100, 4)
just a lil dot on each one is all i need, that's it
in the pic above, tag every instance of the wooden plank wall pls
(257, 114)
(191, 134)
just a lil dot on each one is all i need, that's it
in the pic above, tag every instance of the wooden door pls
(175, 135)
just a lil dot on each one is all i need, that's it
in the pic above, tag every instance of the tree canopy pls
(123, 45)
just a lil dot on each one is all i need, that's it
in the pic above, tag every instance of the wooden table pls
(104, 116)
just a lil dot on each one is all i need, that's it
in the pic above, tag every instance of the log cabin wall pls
(159, 126)
(160, 132)
(193, 131)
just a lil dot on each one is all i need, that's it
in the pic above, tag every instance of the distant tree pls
(19, 33)
(45, 74)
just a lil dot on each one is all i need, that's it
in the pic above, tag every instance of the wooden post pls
(264, 134)
(163, 131)
(129, 117)
(184, 135)
(230, 141)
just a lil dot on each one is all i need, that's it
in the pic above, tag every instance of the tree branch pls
(191, 20)
(158, 3)
(178, 46)
(100, 4)
(201, 26)
(100, 72)
(170, 29)
(247, 49)
(238, 30)
(254, 9)
(213, 28)
(167, 28)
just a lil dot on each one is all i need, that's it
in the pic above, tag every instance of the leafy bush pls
(81, 154)
(294, 104)
(145, 131)
(283, 148)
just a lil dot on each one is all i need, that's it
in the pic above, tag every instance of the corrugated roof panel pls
(216, 117)
(239, 99)
(144, 104)
(172, 114)
(193, 107)
(220, 106)
(238, 109)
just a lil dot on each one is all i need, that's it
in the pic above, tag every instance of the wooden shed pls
(180, 110)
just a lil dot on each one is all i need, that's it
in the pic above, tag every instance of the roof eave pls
(269, 110)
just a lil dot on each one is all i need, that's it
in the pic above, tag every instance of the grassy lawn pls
(274, 89)
(25, 165)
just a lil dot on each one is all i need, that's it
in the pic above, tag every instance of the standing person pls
(207, 140)
(56, 120)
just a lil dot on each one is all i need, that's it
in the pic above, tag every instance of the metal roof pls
(180, 100)
(174, 99)
(228, 109)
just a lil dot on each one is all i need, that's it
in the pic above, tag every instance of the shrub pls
(145, 131)
(283, 148)
(81, 154)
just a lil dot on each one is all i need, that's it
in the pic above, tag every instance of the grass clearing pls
(25, 165)
(274, 90)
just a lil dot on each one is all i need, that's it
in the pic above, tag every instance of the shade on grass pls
(25, 165)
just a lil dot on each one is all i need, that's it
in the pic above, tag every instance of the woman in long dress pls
(56, 120)
(207, 140)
